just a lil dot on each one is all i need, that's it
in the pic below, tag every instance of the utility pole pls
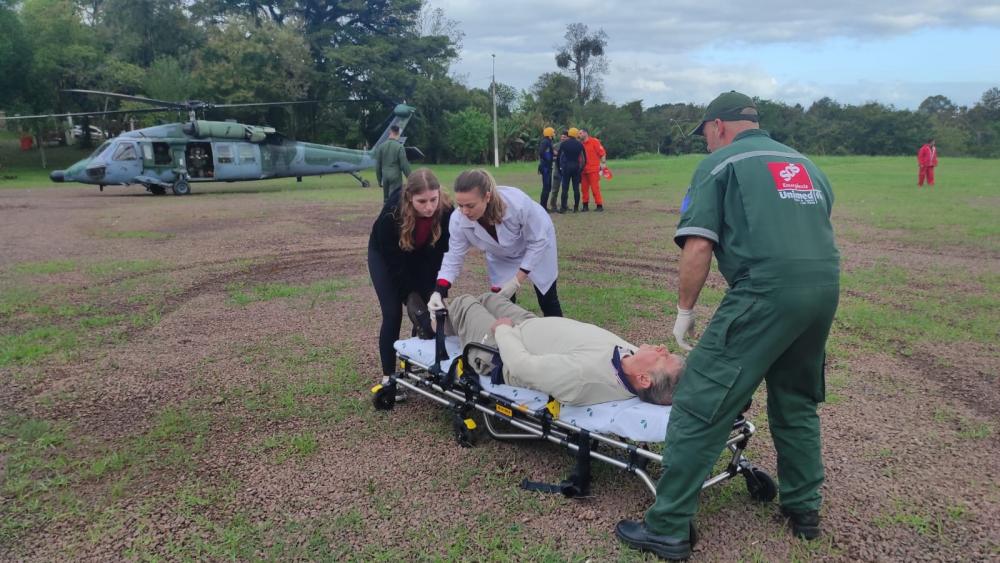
(496, 143)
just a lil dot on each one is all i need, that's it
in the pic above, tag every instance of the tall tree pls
(554, 94)
(583, 56)
(15, 58)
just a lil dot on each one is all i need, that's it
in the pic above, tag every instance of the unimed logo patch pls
(790, 176)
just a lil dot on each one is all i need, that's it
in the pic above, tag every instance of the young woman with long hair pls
(407, 242)
(514, 232)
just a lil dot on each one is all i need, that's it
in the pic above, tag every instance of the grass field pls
(186, 377)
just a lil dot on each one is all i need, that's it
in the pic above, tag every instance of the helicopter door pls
(125, 164)
(199, 160)
(237, 161)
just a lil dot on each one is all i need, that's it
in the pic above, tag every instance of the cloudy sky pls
(854, 51)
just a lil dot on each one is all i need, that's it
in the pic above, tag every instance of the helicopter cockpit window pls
(104, 146)
(126, 152)
(224, 151)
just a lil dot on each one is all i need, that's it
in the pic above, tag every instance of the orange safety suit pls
(590, 177)
(926, 159)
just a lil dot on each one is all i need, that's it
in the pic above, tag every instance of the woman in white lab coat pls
(513, 231)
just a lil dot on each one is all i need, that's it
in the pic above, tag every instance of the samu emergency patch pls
(792, 181)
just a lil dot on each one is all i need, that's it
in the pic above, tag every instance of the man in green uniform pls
(764, 209)
(391, 165)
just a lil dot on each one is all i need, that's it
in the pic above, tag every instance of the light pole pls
(496, 142)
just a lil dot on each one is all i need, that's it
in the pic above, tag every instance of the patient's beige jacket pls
(569, 360)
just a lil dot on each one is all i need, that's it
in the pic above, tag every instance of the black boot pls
(599, 208)
(637, 536)
(805, 525)
(586, 207)
(416, 309)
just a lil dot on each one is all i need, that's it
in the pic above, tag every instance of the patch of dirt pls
(907, 461)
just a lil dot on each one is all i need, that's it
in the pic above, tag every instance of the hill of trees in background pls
(358, 59)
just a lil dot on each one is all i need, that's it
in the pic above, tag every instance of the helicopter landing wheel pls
(181, 187)
(366, 184)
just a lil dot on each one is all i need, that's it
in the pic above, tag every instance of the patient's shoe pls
(416, 309)
(805, 525)
(400, 393)
(637, 536)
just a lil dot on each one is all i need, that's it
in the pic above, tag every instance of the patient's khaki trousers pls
(776, 335)
(473, 317)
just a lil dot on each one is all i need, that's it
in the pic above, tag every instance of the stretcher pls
(618, 433)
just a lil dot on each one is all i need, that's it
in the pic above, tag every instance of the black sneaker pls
(637, 536)
(563, 210)
(805, 525)
(586, 207)
(599, 208)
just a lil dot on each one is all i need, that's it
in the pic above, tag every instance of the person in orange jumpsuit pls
(590, 178)
(926, 158)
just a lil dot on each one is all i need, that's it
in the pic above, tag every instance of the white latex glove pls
(435, 303)
(510, 288)
(684, 326)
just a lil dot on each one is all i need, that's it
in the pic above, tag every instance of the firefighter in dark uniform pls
(545, 155)
(764, 209)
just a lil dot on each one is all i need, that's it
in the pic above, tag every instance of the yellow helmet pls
(548, 132)
(573, 132)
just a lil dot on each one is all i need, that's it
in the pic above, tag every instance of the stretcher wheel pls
(464, 435)
(760, 485)
(385, 398)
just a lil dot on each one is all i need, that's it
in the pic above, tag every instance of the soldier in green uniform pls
(391, 165)
(764, 210)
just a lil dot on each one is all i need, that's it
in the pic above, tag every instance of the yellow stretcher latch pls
(459, 369)
(504, 410)
(376, 388)
(470, 424)
(553, 407)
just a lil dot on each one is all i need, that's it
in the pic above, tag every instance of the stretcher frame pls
(458, 389)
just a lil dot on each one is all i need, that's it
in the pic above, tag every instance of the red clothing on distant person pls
(927, 159)
(590, 177)
(595, 152)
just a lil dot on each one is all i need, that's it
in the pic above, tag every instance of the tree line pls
(358, 59)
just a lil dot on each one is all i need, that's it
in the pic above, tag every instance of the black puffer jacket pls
(411, 271)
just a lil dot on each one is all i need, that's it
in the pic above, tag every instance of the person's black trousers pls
(571, 173)
(548, 302)
(392, 310)
(546, 172)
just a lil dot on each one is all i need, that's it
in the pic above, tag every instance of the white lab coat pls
(527, 239)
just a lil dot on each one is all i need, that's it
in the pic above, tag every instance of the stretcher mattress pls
(632, 418)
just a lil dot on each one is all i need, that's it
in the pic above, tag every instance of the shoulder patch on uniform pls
(686, 202)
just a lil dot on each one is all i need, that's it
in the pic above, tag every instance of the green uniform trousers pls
(775, 334)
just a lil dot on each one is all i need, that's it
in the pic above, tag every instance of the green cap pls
(728, 106)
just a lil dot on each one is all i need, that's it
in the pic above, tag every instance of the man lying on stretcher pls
(574, 362)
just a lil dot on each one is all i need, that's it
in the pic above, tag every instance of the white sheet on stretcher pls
(631, 418)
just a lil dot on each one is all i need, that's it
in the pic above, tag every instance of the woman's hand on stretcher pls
(435, 303)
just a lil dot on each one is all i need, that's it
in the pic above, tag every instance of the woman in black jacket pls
(407, 242)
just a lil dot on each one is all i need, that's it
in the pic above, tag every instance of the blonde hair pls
(483, 182)
(418, 182)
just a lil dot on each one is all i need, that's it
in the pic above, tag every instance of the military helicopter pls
(176, 155)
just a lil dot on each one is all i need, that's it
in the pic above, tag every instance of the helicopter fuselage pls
(160, 156)
(174, 155)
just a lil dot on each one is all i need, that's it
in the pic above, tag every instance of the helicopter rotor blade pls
(261, 104)
(87, 113)
(142, 99)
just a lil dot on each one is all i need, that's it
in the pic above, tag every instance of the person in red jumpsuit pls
(926, 158)
(590, 178)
